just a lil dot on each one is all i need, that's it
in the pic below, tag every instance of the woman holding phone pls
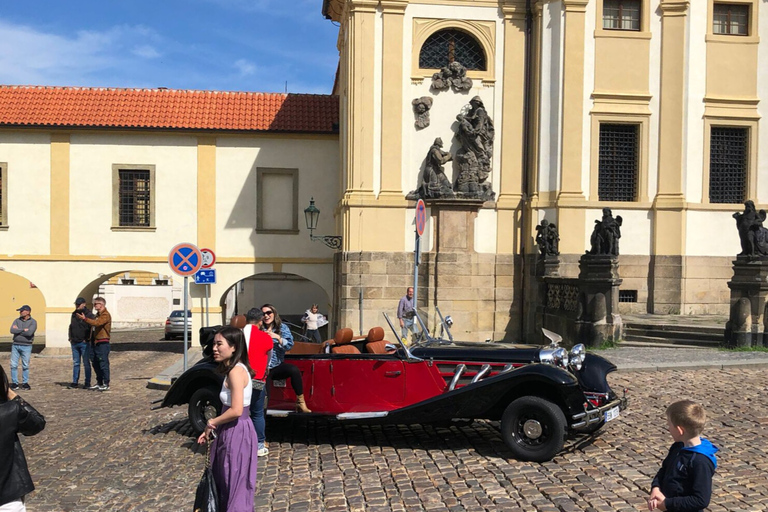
(234, 449)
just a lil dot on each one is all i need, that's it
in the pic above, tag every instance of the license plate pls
(612, 413)
(281, 384)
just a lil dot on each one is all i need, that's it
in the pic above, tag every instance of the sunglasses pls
(267, 313)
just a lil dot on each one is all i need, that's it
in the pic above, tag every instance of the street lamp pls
(311, 215)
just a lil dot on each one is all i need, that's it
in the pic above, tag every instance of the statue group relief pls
(752, 235)
(474, 134)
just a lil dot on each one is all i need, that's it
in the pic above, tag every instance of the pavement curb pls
(692, 366)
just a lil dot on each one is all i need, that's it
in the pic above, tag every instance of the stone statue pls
(752, 234)
(475, 134)
(547, 238)
(453, 76)
(421, 108)
(605, 236)
(434, 183)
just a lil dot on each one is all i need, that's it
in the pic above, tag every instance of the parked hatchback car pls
(174, 324)
(539, 394)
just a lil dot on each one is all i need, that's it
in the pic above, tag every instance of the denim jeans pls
(90, 354)
(257, 414)
(79, 352)
(101, 352)
(409, 324)
(24, 352)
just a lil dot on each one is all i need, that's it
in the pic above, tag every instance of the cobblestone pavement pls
(109, 452)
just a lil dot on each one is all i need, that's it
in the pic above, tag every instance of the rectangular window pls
(3, 194)
(618, 162)
(133, 197)
(621, 14)
(728, 157)
(730, 19)
(277, 201)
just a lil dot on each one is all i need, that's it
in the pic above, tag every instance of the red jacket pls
(259, 345)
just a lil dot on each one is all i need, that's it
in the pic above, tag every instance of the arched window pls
(449, 45)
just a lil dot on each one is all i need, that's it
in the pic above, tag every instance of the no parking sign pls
(185, 259)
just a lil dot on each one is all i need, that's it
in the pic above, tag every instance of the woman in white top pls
(233, 453)
(311, 318)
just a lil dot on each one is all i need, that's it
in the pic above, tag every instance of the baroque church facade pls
(500, 114)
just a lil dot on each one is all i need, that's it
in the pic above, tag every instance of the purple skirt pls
(234, 463)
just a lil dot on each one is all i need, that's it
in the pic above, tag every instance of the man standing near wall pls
(406, 313)
(79, 337)
(23, 330)
(103, 329)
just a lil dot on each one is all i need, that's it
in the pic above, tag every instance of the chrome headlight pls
(577, 355)
(560, 357)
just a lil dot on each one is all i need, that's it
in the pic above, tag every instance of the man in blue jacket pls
(23, 330)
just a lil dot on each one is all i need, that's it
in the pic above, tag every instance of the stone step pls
(705, 335)
(649, 344)
(647, 341)
(696, 329)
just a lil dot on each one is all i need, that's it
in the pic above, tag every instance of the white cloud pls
(145, 51)
(245, 67)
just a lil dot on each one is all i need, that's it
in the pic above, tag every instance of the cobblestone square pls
(109, 451)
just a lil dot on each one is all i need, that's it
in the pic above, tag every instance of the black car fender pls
(489, 397)
(199, 376)
(593, 373)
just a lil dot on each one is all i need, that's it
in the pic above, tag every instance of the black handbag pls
(207, 494)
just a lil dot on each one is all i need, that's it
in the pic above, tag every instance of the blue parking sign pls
(205, 276)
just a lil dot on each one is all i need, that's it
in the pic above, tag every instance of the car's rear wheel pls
(533, 428)
(167, 337)
(203, 406)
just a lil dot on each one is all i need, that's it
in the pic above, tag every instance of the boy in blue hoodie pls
(684, 482)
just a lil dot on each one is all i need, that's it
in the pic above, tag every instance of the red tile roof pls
(167, 109)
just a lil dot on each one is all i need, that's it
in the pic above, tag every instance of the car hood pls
(480, 352)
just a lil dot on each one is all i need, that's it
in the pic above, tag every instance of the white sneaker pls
(263, 452)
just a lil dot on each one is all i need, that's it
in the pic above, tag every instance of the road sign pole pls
(416, 272)
(186, 311)
(207, 293)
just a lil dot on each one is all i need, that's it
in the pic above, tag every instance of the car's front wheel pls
(203, 406)
(533, 428)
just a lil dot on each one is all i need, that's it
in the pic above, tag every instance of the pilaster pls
(392, 97)
(60, 187)
(206, 192)
(571, 194)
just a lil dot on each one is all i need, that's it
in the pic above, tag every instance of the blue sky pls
(229, 45)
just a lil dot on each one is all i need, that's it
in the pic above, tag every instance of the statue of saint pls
(752, 235)
(475, 134)
(606, 234)
(547, 238)
(434, 183)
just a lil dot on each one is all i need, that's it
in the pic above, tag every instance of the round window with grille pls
(450, 45)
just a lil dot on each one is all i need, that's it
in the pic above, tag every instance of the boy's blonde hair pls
(689, 415)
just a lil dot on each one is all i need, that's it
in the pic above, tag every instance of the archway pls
(135, 298)
(291, 294)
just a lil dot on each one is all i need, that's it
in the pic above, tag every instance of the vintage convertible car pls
(540, 394)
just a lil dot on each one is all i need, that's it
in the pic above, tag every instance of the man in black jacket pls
(16, 417)
(79, 337)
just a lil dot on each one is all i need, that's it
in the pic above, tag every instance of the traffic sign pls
(209, 258)
(421, 217)
(205, 276)
(185, 259)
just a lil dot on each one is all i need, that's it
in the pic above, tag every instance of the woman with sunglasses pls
(283, 342)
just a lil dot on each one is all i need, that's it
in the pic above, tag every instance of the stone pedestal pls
(746, 326)
(461, 282)
(584, 309)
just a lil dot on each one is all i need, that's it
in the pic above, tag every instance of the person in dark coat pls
(79, 337)
(16, 417)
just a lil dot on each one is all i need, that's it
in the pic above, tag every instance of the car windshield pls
(180, 313)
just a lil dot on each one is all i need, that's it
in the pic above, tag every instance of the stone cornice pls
(575, 5)
(513, 9)
(674, 7)
(367, 6)
(394, 6)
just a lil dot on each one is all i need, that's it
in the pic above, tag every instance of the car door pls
(368, 383)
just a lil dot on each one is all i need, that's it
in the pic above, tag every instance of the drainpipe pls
(527, 140)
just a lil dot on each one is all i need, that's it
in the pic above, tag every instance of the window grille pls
(618, 162)
(446, 46)
(127, 281)
(627, 295)
(621, 14)
(728, 152)
(161, 282)
(731, 19)
(134, 198)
